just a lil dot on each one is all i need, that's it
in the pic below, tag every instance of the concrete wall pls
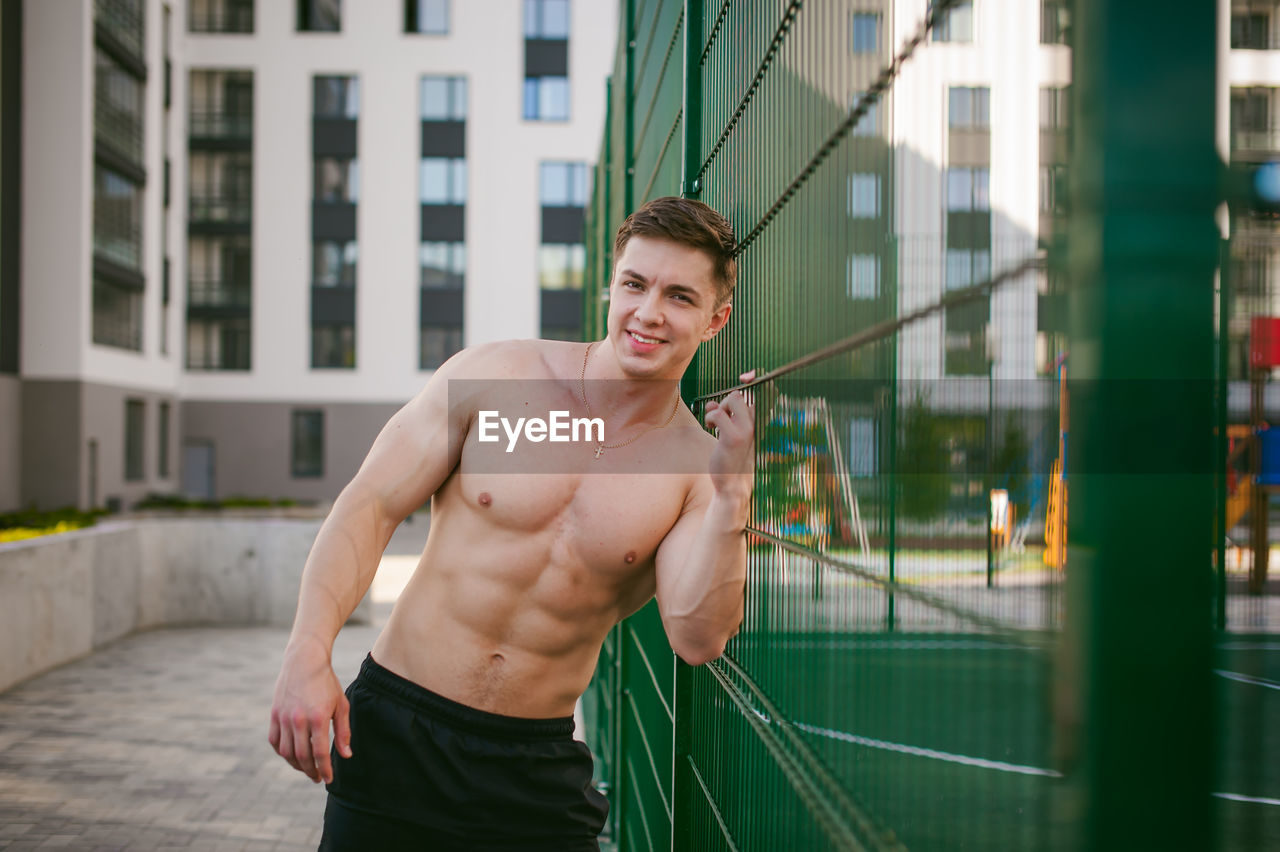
(63, 596)
(253, 445)
(10, 443)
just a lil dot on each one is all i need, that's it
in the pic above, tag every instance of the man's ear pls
(718, 319)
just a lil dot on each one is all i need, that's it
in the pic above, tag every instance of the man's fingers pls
(285, 748)
(320, 748)
(302, 748)
(342, 727)
(273, 733)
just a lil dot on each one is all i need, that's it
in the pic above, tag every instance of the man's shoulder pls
(513, 359)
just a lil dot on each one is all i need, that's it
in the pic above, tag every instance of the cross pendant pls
(599, 451)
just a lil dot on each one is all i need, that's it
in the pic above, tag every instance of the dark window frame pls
(307, 462)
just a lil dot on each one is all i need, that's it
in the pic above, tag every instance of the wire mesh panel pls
(897, 670)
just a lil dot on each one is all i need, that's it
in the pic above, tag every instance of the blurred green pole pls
(683, 784)
(1143, 244)
(620, 792)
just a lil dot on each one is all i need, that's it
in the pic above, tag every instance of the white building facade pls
(251, 230)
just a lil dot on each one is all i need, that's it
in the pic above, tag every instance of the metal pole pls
(683, 784)
(1144, 249)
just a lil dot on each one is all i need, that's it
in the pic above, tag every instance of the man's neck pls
(623, 400)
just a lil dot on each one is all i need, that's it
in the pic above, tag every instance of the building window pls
(117, 106)
(117, 315)
(546, 19)
(135, 413)
(221, 186)
(125, 20)
(966, 267)
(336, 179)
(546, 60)
(319, 16)
(956, 24)
(218, 344)
(1055, 108)
(1250, 30)
(336, 97)
(117, 218)
(162, 438)
(443, 98)
(560, 266)
(1055, 21)
(863, 276)
(869, 124)
(333, 264)
(969, 108)
(866, 32)
(220, 16)
(546, 98)
(443, 180)
(562, 184)
(333, 346)
(863, 445)
(864, 196)
(968, 188)
(438, 344)
(1053, 188)
(442, 265)
(430, 17)
(307, 441)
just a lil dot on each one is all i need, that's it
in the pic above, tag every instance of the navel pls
(496, 658)
(485, 499)
(630, 557)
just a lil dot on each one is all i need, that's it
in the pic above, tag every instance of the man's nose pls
(650, 308)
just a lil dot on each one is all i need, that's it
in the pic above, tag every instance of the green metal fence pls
(907, 675)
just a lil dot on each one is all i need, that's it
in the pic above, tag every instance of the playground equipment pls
(1055, 527)
(1259, 444)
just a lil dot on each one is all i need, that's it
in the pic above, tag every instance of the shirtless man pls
(460, 734)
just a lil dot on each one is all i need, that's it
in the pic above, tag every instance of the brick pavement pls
(159, 741)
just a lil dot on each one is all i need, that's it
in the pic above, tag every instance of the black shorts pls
(429, 773)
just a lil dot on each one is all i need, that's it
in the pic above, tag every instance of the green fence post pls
(621, 782)
(682, 781)
(1223, 419)
(1144, 247)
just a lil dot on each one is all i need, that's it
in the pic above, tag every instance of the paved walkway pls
(160, 740)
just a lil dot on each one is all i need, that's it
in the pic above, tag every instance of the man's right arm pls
(412, 456)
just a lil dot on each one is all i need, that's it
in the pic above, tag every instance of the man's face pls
(662, 304)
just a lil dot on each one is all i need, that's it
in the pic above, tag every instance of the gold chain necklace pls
(602, 446)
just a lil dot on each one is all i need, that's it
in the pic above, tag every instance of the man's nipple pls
(630, 557)
(485, 499)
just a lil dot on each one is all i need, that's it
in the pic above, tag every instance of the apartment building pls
(249, 231)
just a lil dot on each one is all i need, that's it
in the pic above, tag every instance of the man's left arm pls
(701, 566)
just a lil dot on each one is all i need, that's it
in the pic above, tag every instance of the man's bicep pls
(674, 551)
(416, 450)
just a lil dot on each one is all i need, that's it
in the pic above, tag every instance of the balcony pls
(221, 130)
(220, 212)
(1250, 144)
(121, 22)
(221, 18)
(208, 297)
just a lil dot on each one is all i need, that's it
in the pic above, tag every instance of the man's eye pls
(633, 284)
(682, 297)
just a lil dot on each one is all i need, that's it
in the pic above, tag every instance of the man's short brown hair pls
(689, 223)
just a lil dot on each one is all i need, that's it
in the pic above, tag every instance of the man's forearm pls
(705, 605)
(340, 567)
